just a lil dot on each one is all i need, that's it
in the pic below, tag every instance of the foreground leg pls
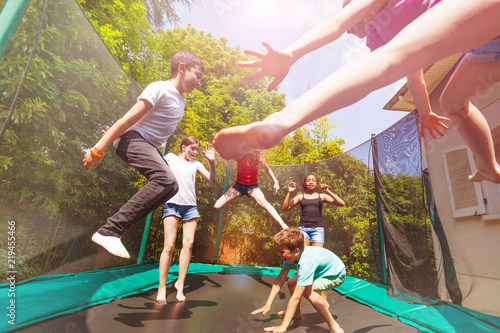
(144, 157)
(429, 38)
(322, 307)
(469, 80)
(170, 224)
(189, 230)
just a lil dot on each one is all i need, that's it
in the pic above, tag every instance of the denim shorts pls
(328, 282)
(184, 212)
(315, 235)
(244, 189)
(486, 52)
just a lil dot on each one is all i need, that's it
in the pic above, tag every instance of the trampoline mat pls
(217, 303)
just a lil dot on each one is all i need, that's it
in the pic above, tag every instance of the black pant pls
(147, 159)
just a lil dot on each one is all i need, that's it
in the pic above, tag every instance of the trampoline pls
(220, 298)
(390, 232)
(217, 302)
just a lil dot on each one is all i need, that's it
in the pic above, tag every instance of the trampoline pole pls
(10, 18)
(380, 217)
(149, 219)
(221, 216)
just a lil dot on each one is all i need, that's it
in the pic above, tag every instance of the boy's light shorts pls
(328, 282)
(486, 52)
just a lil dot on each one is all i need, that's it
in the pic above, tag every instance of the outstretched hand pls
(292, 187)
(275, 329)
(264, 310)
(209, 152)
(432, 123)
(274, 63)
(276, 188)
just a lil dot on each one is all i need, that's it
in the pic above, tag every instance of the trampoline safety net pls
(74, 88)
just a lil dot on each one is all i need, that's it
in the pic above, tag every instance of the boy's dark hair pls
(188, 58)
(290, 238)
(304, 181)
(188, 141)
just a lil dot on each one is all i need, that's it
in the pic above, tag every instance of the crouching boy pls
(318, 269)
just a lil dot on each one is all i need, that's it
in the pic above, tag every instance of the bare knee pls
(451, 104)
(187, 244)
(292, 282)
(262, 202)
(168, 248)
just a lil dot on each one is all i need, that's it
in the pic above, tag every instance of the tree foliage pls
(76, 87)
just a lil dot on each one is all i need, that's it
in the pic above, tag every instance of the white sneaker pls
(112, 244)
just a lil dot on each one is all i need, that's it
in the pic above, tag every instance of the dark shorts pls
(244, 189)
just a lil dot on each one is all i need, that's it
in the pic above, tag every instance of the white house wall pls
(475, 240)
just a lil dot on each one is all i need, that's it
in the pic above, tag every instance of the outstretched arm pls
(293, 303)
(273, 177)
(209, 153)
(130, 118)
(287, 204)
(428, 119)
(278, 283)
(277, 63)
(331, 198)
(429, 38)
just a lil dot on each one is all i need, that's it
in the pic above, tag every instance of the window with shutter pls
(466, 196)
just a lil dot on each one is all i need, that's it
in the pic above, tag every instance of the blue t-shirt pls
(316, 262)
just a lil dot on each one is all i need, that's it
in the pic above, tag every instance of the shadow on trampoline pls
(153, 311)
(217, 302)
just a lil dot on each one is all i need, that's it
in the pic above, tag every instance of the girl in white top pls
(182, 206)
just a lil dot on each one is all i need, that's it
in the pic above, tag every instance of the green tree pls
(74, 88)
(307, 144)
(161, 12)
(125, 26)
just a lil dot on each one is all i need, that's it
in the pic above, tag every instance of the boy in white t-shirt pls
(136, 137)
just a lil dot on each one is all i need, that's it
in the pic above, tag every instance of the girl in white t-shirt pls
(182, 206)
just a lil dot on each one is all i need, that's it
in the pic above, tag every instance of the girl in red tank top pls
(247, 184)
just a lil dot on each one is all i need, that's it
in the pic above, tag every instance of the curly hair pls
(290, 238)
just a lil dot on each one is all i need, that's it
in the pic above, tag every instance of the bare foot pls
(180, 293)
(234, 142)
(336, 328)
(480, 175)
(161, 296)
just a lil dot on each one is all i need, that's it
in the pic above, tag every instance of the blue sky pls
(280, 22)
